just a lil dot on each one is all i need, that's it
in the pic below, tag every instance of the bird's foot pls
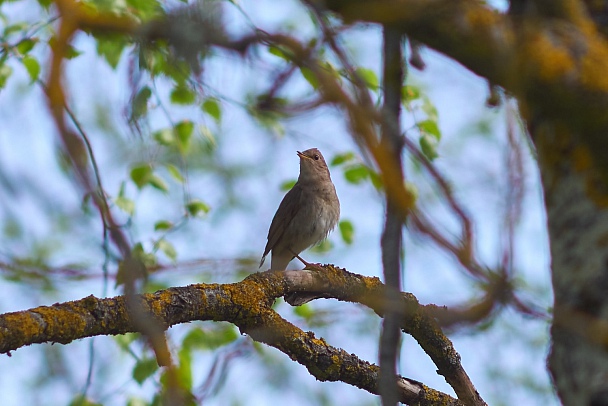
(311, 266)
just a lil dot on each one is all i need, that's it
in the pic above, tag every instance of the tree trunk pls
(577, 213)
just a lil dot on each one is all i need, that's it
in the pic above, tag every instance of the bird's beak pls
(301, 155)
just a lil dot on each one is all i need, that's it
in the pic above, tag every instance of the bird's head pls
(312, 165)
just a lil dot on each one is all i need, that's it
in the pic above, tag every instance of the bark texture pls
(248, 304)
(578, 230)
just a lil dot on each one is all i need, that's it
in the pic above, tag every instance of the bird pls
(307, 214)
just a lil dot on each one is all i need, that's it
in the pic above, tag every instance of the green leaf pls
(45, 3)
(347, 230)
(429, 109)
(412, 190)
(164, 137)
(323, 246)
(428, 144)
(21, 26)
(287, 185)
(356, 173)
(167, 248)
(32, 66)
(70, 52)
(342, 158)
(138, 402)
(145, 9)
(111, 47)
(184, 369)
(5, 73)
(181, 94)
(194, 339)
(376, 179)
(183, 131)
(144, 369)
(175, 173)
(208, 138)
(278, 52)
(197, 208)
(409, 93)
(163, 225)
(26, 45)
(310, 77)
(141, 175)
(269, 119)
(125, 340)
(13, 229)
(126, 205)
(158, 183)
(147, 258)
(331, 69)
(136, 266)
(210, 339)
(212, 107)
(80, 400)
(430, 127)
(140, 102)
(121, 190)
(305, 311)
(369, 77)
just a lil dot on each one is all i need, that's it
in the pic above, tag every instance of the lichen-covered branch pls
(248, 304)
(418, 321)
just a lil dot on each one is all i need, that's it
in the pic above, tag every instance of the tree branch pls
(248, 304)
(392, 235)
(556, 67)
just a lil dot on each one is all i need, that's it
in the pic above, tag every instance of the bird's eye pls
(316, 157)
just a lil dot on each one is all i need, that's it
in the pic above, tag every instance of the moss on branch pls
(248, 304)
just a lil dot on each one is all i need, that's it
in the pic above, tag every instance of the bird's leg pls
(308, 265)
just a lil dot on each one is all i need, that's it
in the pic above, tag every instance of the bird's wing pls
(285, 214)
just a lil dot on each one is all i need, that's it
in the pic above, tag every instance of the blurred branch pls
(391, 241)
(217, 374)
(248, 304)
(515, 190)
(465, 252)
(554, 66)
(73, 17)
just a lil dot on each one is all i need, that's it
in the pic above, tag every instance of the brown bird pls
(306, 215)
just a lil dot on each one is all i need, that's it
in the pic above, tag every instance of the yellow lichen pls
(553, 62)
(482, 19)
(27, 324)
(163, 299)
(594, 65)
(335, 366)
